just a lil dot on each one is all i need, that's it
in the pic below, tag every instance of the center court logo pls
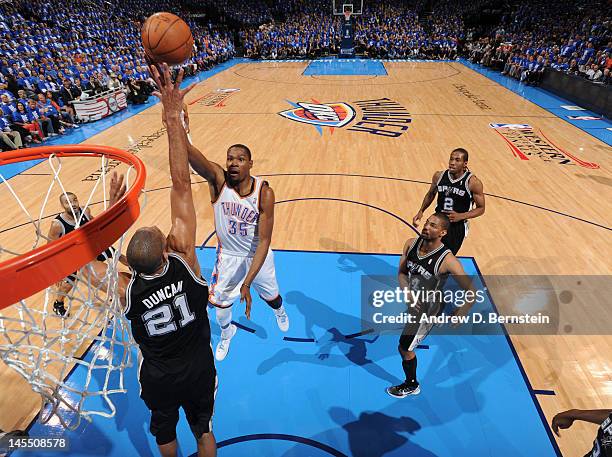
(525, 142)
(216, 98)
(382, 117)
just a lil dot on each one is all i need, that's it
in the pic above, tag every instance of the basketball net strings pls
(44, 348)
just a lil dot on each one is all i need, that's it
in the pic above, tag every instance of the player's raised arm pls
(211, 171)
(181, 238)
(428, 199)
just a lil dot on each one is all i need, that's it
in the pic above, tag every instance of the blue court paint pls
(279, 398)
(350, 67)
(86, 131)
(549, 102)
(243, 327)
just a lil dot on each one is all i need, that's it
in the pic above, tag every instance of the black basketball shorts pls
(455, 236)
(414, 332)
(196, 396)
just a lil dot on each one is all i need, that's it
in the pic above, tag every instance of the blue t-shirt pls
(21, 117)
(8, 109)
(34, 114)
(4, 124)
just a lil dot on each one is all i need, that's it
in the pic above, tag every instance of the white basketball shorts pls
(228, 276)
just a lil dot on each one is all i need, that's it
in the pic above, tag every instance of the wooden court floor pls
(350, 189)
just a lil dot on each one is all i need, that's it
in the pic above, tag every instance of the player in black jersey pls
(424, 263)
(63, 224)
(457, 190)
(602, 446)
(165, 301)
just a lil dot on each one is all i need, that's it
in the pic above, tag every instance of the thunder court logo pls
(525, 142)
(382, 117)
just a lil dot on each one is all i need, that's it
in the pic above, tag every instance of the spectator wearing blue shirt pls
(48, 110)
(22, 118)
(36, 115)
(7, 106)
(587, 54)
(22, 97)
(568, 49)
(4, 91)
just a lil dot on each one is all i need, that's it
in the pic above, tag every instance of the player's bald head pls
(145, 252)
(68, 195)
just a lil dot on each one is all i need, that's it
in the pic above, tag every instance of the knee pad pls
(276, 303)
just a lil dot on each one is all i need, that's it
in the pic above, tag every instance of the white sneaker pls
(283, 321)
(224, 343)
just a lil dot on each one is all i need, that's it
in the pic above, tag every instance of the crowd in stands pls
(385, 30)
(247, 13)
(52, 53)
(574, 37)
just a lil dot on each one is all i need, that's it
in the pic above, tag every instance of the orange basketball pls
(167, 38)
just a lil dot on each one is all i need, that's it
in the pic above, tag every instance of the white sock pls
(280, 311)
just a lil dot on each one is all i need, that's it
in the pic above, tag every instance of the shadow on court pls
(333, 348)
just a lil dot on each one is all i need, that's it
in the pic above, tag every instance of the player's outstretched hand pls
(562, 420)
(417, 218)
(170, 94)
(117, 188)
(245, 295)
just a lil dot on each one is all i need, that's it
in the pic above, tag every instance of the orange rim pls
(29, 273)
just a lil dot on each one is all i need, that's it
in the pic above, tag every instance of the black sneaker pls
(403, 390)
(60, 309)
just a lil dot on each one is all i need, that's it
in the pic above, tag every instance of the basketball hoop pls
(41, 346)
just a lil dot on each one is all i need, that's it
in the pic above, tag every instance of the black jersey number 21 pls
(160, 321)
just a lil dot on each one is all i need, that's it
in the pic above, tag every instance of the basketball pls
(167, 38)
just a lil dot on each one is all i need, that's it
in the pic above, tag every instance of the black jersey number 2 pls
(160, 321)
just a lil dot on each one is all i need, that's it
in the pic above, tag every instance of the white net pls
(92, 341)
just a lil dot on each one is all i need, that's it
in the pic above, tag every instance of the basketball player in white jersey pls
(67, 221)
(244, 217)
